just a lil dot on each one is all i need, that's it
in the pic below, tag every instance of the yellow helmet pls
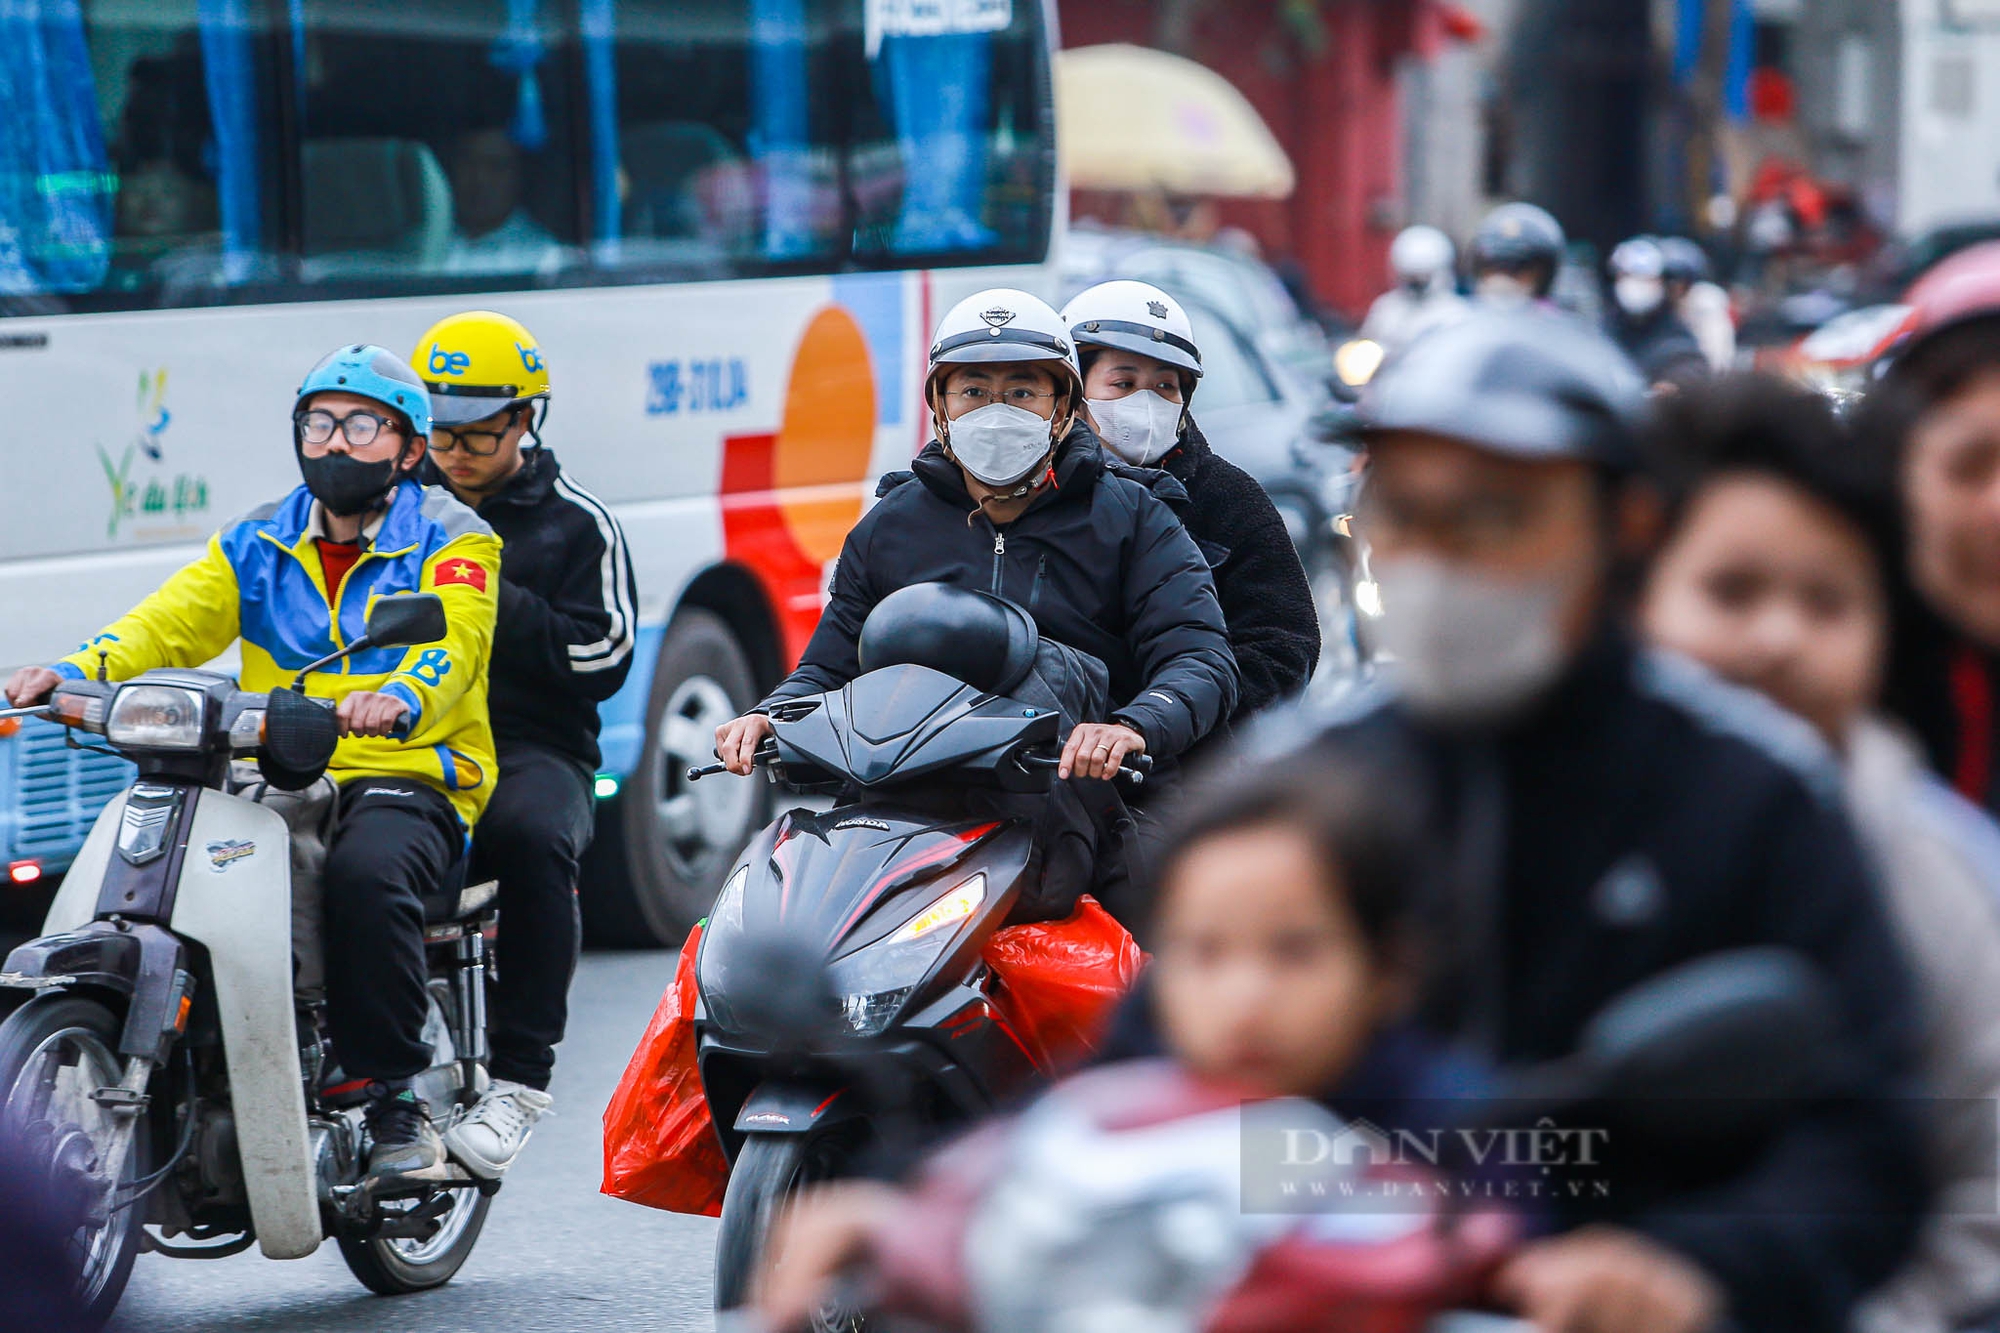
(477, 364)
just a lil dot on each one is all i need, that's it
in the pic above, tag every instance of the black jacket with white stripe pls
(563, 642)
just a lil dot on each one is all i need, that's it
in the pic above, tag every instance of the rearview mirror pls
(406, 620)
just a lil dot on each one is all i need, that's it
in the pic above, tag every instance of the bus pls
(730, 223)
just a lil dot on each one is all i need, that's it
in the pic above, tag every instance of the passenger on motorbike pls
(1286, 958)
(1644, 322)
(1774, 574)
(1700, 302)
(561, 646)
(1015, 498)
(1425, 296)
(293, 579)
(1140, 370)
(1612, 813)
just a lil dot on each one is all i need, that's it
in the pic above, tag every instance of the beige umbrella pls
(1132, 118)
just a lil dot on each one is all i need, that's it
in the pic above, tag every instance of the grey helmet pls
(1519, 236)
(1528, 384)
(983, 640)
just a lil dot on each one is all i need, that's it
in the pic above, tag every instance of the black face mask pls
(346, 485)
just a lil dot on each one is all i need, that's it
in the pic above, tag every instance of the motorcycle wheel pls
(769, 1170)
(54, 1052)
(400, 1266)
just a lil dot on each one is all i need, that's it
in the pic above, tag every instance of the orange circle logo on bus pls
(827, 436)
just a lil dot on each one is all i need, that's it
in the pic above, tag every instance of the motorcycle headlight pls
(874, 983)
(156, 717)
(724, 918)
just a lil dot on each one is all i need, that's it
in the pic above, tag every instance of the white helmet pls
(1421, 254)
(1134, 317)
(1002, 324)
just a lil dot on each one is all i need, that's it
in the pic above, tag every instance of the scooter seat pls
(468, 901)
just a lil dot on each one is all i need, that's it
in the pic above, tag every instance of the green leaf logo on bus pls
(153, 502)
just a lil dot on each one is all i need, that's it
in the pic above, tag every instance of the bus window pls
(132, 167)
(962, 160)
(739, 136)
(435, 142)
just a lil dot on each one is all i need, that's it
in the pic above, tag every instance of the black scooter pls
(889, 896)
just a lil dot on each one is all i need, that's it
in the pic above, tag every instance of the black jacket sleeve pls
(1833, 1203)
(1266, 601)
(580, 640)
(832, 656)
(1175, 627)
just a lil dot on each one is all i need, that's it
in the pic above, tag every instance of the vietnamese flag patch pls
(469, 572)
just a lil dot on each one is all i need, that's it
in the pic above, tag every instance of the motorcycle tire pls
(769, 1170)
(398, 1267)
(68, 1030)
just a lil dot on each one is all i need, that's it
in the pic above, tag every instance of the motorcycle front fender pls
(235, 897)
(786, 1107)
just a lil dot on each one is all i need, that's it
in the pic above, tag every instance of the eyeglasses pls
(977, 397)
(360, 428)
(478, 443)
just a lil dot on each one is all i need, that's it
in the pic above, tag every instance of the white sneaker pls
(491, 1135)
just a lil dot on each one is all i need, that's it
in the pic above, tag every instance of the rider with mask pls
(293, 579)
(561, 646)
(1015, 498)
(1140, 370)
(1644, 322)
(1613, 813)
(1425, 295)
(1515, 254)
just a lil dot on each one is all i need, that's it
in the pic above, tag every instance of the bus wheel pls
(664, 844)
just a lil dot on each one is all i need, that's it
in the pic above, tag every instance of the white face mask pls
(1638, 296)
(1501, 289)
(1469, 649)
(999, 443)
(1140, 428)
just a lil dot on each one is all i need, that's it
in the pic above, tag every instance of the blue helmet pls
(372, 372)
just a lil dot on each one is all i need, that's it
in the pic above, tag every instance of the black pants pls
(396, 839)
(531, 838)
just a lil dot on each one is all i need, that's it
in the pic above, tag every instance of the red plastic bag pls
(660, 1147)
(1060, 980)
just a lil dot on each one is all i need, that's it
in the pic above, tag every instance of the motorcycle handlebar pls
(767, 753)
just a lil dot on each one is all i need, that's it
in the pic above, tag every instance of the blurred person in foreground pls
(37, 1264)
(1608, 813)
(1644, 321)
(1933, 422)
(1287, 948)
(1425, 268)
(1775, 573)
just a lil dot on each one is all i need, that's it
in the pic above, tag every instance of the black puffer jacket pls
(1273, 624)
(1661, 345)
(1099, 559)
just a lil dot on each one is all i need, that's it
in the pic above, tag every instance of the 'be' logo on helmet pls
(997, 315)
(448, 363)
(531, 357)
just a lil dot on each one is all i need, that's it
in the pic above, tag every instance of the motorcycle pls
(878, 909)
(1134, 1197)
(164, 1073)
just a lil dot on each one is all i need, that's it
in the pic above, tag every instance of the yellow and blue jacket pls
(261, 580)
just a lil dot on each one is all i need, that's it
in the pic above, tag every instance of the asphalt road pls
(556, 1255)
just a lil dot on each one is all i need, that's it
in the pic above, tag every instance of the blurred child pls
(1285, 960)
(1773, 573)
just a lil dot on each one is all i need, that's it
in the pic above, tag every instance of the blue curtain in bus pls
(518, 51)
(600, 78)
(56, 184)
(779, 125)
(229, 60)
(936, 89)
